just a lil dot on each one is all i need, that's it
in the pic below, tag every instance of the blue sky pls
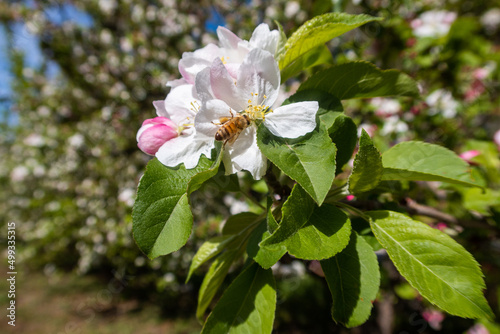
(29, 44)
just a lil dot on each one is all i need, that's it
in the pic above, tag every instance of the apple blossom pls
(232, 51)
(154, 132)
(171, 136)
(252, 93)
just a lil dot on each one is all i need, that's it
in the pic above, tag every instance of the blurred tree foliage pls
(70, 165)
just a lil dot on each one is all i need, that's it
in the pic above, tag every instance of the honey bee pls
(231, 127)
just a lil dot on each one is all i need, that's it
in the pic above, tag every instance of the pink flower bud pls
(469, 155)
(154, 132)
(350, 197)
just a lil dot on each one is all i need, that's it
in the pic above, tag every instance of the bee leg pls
(232, 139)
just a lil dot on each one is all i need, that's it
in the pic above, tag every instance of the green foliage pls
(424, 162)
(367, 169)
(325, 234)
(306, 161)
(295, 212)
(434, 264)
(353, 278)
(361, 80)
(247, 306)
(162, 217)
(344, 135)
(314, 33)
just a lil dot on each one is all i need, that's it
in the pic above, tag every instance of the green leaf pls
(280, 49)
(314, 57)
(222, 182)
(208, 250)
(213, 280)
(330, 106)
(433, 263)
(272, 225)
(367, 169)
(197, 180)
(360, 80)
(295, 212)
(325, 234)
(309, 161)
(266, 257)
(318, 31)
(353, 277)
(481, 200)
(239, 222)
(419, 161)
(247, 306)
(344, 135)
(162, 219)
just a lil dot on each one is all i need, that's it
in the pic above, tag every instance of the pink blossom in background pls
(475, 90)
(496, 139)
(481, 73)
(155, 132)
(315, 267)
(434, 318)
(350, 197)
(478, 329)
(469, 155)
(441, 226)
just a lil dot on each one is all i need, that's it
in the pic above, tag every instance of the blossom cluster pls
(226, 91)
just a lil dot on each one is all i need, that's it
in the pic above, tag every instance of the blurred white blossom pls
(385, 107)
(434, 23)
(442, 102)
(491, 19)
(393, 124)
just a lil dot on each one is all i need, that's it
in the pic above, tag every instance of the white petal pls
(227, 38)
(293, 120)
(160, 108)
(203, 87)
(244, 154)
(207, 120)
(176, 82)
(224, 88)
(193, 62)
(259, 74)
(178, 104)
(265, 39)
(184, 149)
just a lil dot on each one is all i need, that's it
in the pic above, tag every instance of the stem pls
(272, 182)
(337, 193)
(253, 200)
(353, 209)
(424, 210)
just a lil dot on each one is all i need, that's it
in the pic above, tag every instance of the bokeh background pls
(77, 78)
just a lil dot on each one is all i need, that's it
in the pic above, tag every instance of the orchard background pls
(79, 77)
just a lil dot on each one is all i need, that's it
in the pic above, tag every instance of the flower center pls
(189, 122)
(257, 111)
